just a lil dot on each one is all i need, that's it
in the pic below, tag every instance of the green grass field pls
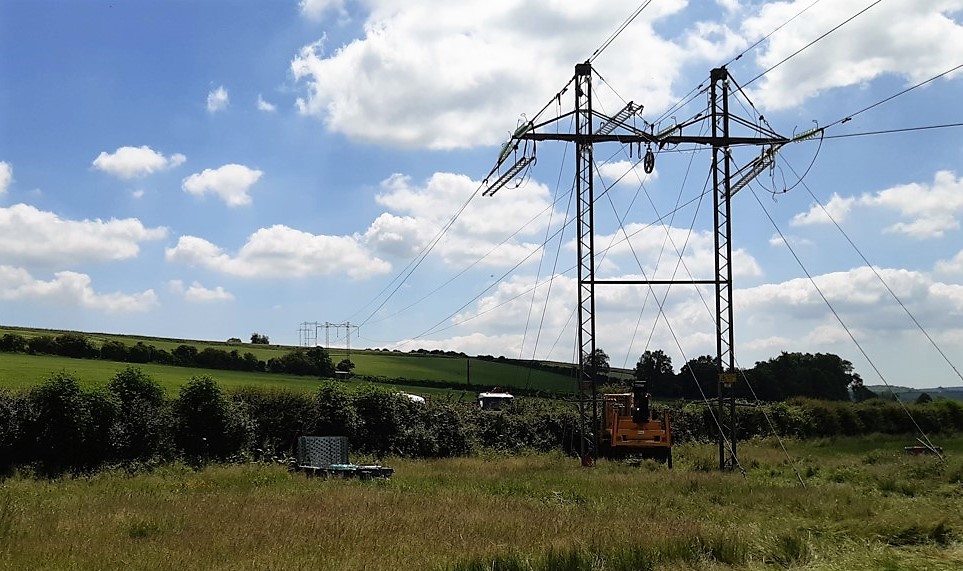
(24, 371)
(484, 374)
(866, 506)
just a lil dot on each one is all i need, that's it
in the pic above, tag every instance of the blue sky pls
(205, 170)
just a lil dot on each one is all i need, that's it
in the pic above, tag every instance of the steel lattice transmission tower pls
(585, 221)
(592, 128)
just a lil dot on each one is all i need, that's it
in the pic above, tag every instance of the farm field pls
(486, 374)
(23, 371)
(865, 506)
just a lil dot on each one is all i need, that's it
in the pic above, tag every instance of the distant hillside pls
(909, 394)
(434, 369)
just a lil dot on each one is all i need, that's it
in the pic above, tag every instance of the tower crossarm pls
(646, 138)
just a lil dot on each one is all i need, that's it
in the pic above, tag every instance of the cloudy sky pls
(206, 170)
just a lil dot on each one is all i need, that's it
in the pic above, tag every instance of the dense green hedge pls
(60, 427)
(808, 418)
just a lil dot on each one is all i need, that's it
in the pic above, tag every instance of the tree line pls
(822, 376)
(314, 361)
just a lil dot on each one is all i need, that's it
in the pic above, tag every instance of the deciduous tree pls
(258, 339)
(655, 369)
(597, 363)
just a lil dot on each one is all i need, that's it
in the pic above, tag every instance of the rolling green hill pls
(479, 372)
(24, 371)
(17, 370)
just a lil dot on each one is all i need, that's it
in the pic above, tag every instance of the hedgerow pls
(61, 427)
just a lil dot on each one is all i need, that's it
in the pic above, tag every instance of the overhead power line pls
(839, 319)
(812, 43)
(620, 29)
(894, 131)
(413, 265)
(767, 36)
(895, 95)
(819, 132)
(684, 100)
(879, 277)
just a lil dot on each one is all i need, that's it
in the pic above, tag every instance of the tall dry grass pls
(866, 506)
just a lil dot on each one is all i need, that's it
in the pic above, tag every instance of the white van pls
(495, 400)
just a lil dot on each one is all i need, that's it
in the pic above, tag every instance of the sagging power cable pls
(849, 117)
(894, 131)
(402, 276)
(541, 260)
(437, 327)
(549, 208)
(881, 280)
(813, 42)
(842, 324)
(618, 31)
(767, 36)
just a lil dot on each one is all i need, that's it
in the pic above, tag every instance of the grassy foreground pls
(866, 506)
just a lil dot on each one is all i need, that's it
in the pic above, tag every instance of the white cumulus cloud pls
(836, 209)
(779, 241)
(789, 315)
(217, 99)
(952, 266)
(425, 71)
(316, 9)
(198, 293)
(482, 230)
(932, 209)
(510, 302)
(859, 297)
(658, 248)
(230, 183)
(6, 177)
(908, 38)
(265, 106)
(133, 162)
(70, 289)
(32, 236)
(282, 252)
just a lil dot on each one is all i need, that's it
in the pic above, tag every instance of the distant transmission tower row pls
(308, 334)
